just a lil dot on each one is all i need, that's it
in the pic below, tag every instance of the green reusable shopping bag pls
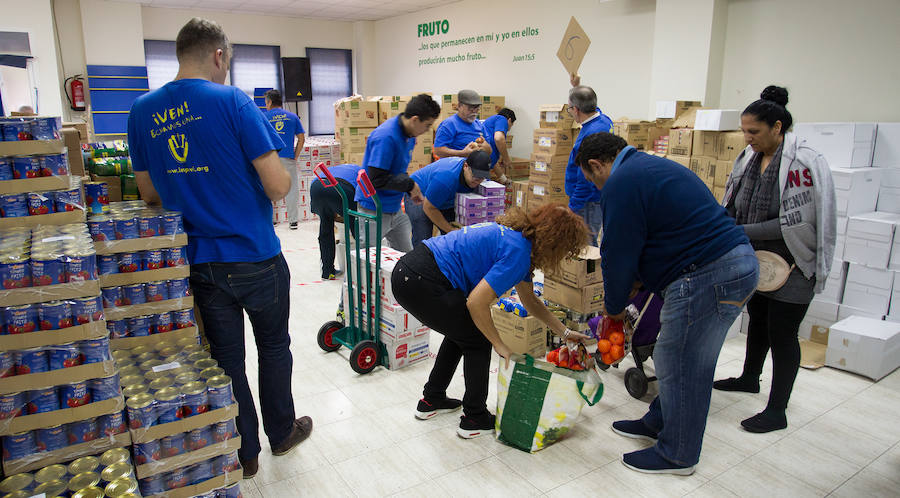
(538, 403)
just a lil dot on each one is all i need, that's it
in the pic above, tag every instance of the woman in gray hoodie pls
(782, 194)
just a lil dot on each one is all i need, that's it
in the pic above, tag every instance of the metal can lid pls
(159, 346)
(121, 355)
(134, 390)
(186, 377)
(198, 355)
(83, 464)
(50, 473)
(205, 363)
(191, 348)
(89, 492)
(114, 456)
(121, 487)
(169, 351)
(219, 381)
(15, 482)
(167, 394)
(51, 488)
(161, 383)
(195, 387)
(185, 342)
(130, 380)
(84, 480)
(208, 373)
(139, 401)
(150, 375)
(19, 493)
(116, 471)
(140, 350)
(149, 364)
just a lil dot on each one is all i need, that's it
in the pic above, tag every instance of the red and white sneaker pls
(426, 410)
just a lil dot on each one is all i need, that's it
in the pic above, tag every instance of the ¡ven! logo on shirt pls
(279, 126)
(178, 146)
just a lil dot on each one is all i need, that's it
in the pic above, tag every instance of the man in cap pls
(439, 182)
(457, 136)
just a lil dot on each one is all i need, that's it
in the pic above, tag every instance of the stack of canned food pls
(133, 220)
(96, 197)
(46, 255)
(23, 444)
(34, 166)
(30, 128)
(56, 357)
(144, 325)
(153, 259)
(194, 474)
(145, 292)
(52, 398)
(45, 202)
(183, 442)
(52, 315)
(110, 474)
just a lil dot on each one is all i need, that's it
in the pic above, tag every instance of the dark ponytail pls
(771, 107)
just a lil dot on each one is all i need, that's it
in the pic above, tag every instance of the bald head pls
(198, 39)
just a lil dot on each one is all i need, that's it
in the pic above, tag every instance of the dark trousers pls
(326, 203)
(438, 305)
(223, 291)
(774, 325)
(422, 226)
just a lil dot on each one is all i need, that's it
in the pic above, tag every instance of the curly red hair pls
(555, 232)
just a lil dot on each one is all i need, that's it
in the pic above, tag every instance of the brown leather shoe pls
(302, 429)
(251, 467)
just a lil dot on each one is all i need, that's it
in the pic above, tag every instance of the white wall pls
(70, 49)
(837, 58)
(617, 64)
(15, 87)
(112, 32)
(34, 17)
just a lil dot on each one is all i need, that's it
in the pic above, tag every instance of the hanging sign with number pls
(574, 45)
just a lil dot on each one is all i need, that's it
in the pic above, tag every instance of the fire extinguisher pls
(76, 88)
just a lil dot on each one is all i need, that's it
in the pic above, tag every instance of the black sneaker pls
(472, 427)
(425, 410)
(736, 384)
(294, 225)
(634, 429)
(764, 422)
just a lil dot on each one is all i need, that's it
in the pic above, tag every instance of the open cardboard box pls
(523, 335)
(76, 216)
(42, 380)
(32, 147)
(137, 277)
(58, 417)
(133, 342)
(34, 184)
(141, 244)
(43, 459)
(224, 480)
(144, 434)
(587, 299)
(122, 312)
(188, 458)
(581, 271)
(91, 330)
(31, 295)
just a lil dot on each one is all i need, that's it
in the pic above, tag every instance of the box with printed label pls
(682, 160)
(672, 109)
(553, 141)
(520, 188)
(717, 119)
(518, 168)
(636, 133)
(545, 167)
(864, 346)
(491, 105)
(470, 201)
(489, 188)
(406, 352)
(721, 172)
(353, 140)
(356, 114)
(522, 335)
(844, 145)
(543, 187)
(680, 141)
(388, 109)
(580, 271)
(534, 200)
(703, 167)
(705, 143)
(556, 116)
(587, 299)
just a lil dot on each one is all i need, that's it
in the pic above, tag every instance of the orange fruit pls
(553, 356)
(576, 366)
(617, 338)
(603, 346)
(563, 363)
(607, 358)
(616, 352)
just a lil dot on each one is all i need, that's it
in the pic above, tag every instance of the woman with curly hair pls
(449, 283)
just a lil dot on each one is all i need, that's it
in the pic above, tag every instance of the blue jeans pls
(223, 291)
(593, 216)
(698, 309)
(422, 226)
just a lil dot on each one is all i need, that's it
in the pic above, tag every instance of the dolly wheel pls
(325, 337)
(364, 357)
(636, 382)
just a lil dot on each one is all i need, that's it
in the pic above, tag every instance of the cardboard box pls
(18, 383)
(114, 185)
(705, 143)
(672, 109)
(588, 299)
(66, 218)
(894, 309)
(721, 172)
(556, 116)
(682, 160)
(837, 278)
(34, 184)
(581, 271)
(730, 145)
(31, 295)
(518, 168)
(864, 346)
(24, 423)
(80, 128)
(43, 459)
(819, 318)
(553, 141)
(636, 133)
(868, 289)
(547, 171)
(387, 109)
(150, 340)
(73, 141)
(91, 330)
(534, 200)
(353, 139)
(704, 167)
(188, 458)
(856, 189)
(406, 352)
(680, 141)
(541, 187)
(491, 105)
(355, 114)
(520, 189)
(523, 335)
(141, 244)
(32, 147)
(122, 312)
(888, 199)
(718, 119)
(844, 145)
(870, 237)
(204, 487)
(887, 146)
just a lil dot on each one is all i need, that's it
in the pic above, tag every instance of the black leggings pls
(421, 289)
(774, 325)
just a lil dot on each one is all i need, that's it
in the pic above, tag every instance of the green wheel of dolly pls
(364, 357)
(636, 382)
(325, 338)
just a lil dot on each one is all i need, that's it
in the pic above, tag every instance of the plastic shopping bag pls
(538, 403)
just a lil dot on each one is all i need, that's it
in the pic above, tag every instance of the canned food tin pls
(137, 351)
(175, 479)
(219, 388)
(83, 431)
(20, 445)
(183, 318)
(84, 480)
(196, 398)
(114, 456)
(16, 482)
(95, 350)
(6, 168)
(187, 377)
(226, 463)
(121, 487)
(81, 266)
(162, 323)
(112, 297)
(130, 380)
(46, 128)
(108, 264)
(105, 388)
(126, 227)
(172, 445)
(74, 394)
(197, 356)
(67, 200)
(43, 400)
(224, 430)
(141, 412)
(148, 225)
(152, 259)
(200, 438)
(129, 262)
(206, 366)
(52, 488)
(134, 294)
(200, 471)
(20, 319)
(96, 196)
(176, 256)
(134, 390)
(84, 464)
(13, 206)
(122, 356)
(55, 315)
(50, 473)
(52, 439)
(156, 291)
(130, 369)
(147, 367)
(25, 167)
(144, 357)
(153, 485)
(47, 270)
(116, 471)
(55, 164)
(102, 228)
(112, 423)
(15, 272)
(171, 223)
(168, 405)
(17, 129)
(149, 451)
(118, 329)
(189, 344)
(33, 360)
(21, 493)
(7, 364)
(169, 351)
(39, 203)
(64, 356)
(178, 288)
(11, 405)
(233, 491)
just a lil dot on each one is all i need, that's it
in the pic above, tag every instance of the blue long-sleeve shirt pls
(658, 219)
(579, 189)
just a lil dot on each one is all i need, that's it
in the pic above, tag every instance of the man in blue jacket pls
(663, 227)
(584, 197)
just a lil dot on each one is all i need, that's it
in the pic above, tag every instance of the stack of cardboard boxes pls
(578, 284)
(354, 119)
(551, 146)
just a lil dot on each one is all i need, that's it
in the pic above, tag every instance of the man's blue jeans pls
(223, 291)
(422, 226)
(593, 217)
(698, 309)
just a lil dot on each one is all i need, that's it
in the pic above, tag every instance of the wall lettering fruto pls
(453, 49)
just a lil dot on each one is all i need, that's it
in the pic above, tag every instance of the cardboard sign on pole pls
(574, 45)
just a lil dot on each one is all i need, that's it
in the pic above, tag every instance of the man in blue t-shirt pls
(288, 126)
(439, 182)
(495, 130)
(387, 156)
(458, 135)
(206, 150)
(584, 197)
(662, 227)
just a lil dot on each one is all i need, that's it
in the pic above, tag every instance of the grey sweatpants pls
(293, 198)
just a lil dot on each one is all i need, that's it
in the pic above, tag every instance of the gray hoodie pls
(807, 211)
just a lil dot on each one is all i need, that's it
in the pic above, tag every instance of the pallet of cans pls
(216, 477)
(135, 226)
(109, 474)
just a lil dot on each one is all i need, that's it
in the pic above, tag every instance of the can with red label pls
(56, 315)
(196, 399)
(162, 323)
(225, 463)
(112, 423)
(95, 350)
(46, 128)
(152, 259)
(139, 326)
(12, 405)
(148, 225)
(96, 197)
(112, 297)
(200, 438)
(102, 228)
(134, 294)
(55, 164)
(149, 451)
(7, 364)
(224, 430)
(64, 356)
(201, 471)
(129, 262)
(118, 329)
(51, 438)
(21, 319)
(108, 264)
(13, 206)
(83, 431)
(67, 200)
(81, 265)
(171, 223)
(43, 400)
(183, 318)
(153, 485)
(156, 291)
(105, 388)
(47, 269)
(172, 445)
(87, 309)
(6, 168)
(33, 360)
(175, 479)
(74, 394)
(15, 272)
(176, 256)
(178, 288)
(40, 203)
(25, 167)
(126, 227)
(20, 445)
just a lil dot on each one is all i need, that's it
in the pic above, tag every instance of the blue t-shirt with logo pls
(196, 139)
(288, 126)
(489, 251)
(456, 133)
(389, 148)
(440, 181)
(346, 172)
(492, 125)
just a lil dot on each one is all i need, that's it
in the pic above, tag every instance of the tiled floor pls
(843, 438)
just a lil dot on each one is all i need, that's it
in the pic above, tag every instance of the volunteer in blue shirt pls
(288, 126)
(584, 197)
(459, 135)
(388, 152)
(495, 130)
(206, 150)
(439, 182)
(663, 227)
(326, 203)
(449, 283)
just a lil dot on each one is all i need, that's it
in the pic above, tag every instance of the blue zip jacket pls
(579, 189)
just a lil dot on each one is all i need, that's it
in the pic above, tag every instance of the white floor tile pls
(820, 468)
(888, 464)
(867, 483)
(548, 468)
(754, 478)
(489, 477)
(380, 473)
(349, 438)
